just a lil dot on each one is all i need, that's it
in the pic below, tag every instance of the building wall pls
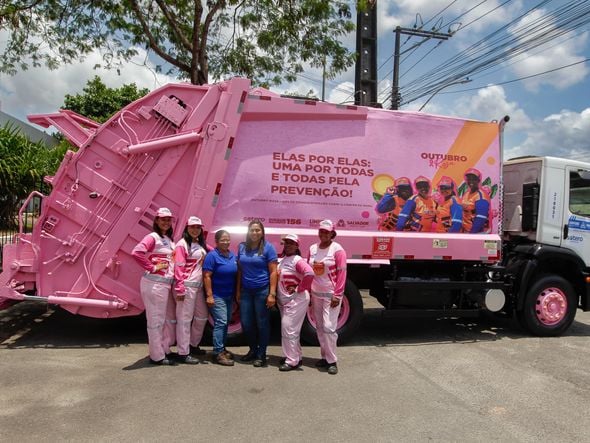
(27, 130)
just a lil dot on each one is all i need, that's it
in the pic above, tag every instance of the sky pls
(549, 113)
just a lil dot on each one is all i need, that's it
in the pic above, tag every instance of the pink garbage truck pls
(432, 222)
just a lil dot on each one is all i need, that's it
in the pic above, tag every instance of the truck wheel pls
(349, 319)
(549, 307)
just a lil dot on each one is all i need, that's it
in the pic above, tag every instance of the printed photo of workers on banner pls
(419, 207)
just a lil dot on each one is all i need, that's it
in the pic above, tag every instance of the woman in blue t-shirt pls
(257, 288)
(219, 278)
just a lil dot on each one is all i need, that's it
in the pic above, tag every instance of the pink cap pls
(473, 171)
(194, 221)
(421, 179)
(292, 237)
(327, 225)
(446, 181)
(164, 212)
(403, 181)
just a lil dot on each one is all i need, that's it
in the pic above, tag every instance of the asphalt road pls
(72, 378)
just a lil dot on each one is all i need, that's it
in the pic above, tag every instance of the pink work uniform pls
(191, 313)
(155, 289)
(295, 277)
(329, 267)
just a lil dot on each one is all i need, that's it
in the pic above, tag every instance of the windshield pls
(580, 193)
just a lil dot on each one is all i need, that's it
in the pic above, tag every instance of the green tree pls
(23, 164)
(98, 102)
(268, 41)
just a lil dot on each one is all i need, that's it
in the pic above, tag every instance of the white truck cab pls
(546, 225)
(547, 200)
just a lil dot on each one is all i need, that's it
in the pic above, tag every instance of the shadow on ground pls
(379, 331)
(32, 325)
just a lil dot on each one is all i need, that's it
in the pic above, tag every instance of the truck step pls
(422, 313)
(438, 284)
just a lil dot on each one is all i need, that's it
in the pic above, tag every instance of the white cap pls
(292, 237)
(327, 225)
(193, 220)
(164, 212)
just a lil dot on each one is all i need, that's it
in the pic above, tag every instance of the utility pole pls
(365, 80)
(395, 95)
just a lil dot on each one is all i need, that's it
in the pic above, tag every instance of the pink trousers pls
(185, 321)
(184, 317)
(170, 323)
(200, 315)
(326, 320)
(293, 310)
(155, 296)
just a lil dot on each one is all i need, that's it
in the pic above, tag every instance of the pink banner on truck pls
(391, 172)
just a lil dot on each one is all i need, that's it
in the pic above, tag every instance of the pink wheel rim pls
(551, 306)
(342, 316)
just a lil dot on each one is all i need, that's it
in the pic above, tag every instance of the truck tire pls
(351, 314)
(549, 307)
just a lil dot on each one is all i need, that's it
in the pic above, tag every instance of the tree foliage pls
(268, 41)
(23, 164)
(98, 102)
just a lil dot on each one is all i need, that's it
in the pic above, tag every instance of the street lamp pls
(456, 82)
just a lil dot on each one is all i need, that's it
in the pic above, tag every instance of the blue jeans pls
(255, 319)
(221, 313)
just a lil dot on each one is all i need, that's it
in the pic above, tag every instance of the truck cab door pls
(576, 228)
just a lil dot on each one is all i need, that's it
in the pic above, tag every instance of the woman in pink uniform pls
(328, 261)
(154, 254)
(294, 282)
(191, 309)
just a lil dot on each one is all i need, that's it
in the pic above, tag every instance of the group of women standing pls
(180, 282)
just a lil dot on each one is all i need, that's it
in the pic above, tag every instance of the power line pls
(421, 58)
(440, 12)
(524, 56)
(471, 51)
(466, 12)
(395, 90)
(484, 15)
(517, 79)
(501, 45)
(412, 49)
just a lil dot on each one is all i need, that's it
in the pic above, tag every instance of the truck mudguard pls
(539, 259)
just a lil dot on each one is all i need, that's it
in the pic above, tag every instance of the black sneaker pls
(163, 362)
(250, 356)
(321, 363)
(286, 367)
(188, 360)
(197, 350)
(260, 362)
(332, 369)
